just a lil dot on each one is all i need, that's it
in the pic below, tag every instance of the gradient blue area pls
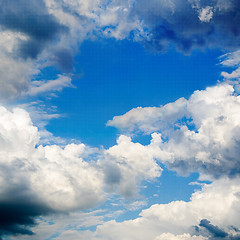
(120, 75)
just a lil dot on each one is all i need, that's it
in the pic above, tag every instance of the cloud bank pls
(212, 213)
(39, 34)
(200, 134)
(39, 180)
(195, 135)
(177, 219)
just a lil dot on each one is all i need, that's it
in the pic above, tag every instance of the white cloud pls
(206, 14)
(218, 202)
(41, 86)
(185, 236)
(47, 173)
(127, 164)
(70, 177)
(150, 119)
(200, 134)
(232, 60)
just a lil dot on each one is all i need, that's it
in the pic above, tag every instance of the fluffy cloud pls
(185, 236)
(127, 164)
(218, 202)
(200, 134)
(39, 180)
(150, 119)
(211, 213)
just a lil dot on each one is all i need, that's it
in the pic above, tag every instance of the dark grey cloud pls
(18, 211)
(18, 206)
(189, 24)
(32, 19)
(17, 217)
(213, 232)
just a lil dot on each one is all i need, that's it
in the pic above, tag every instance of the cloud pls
(200, 134)
(33, 20)
(39, 180)
(207, 229)
(213, 230)
(150, 119)
(15, 74)
(41, 86)
(26, 30)
(63, 58)
(127, 164)
(176, 220)
(217, 202)
(190, 24)
(231, 60)
(46, 33)
(17, 217)
(206, 14)
(186, 24)
(185, 236)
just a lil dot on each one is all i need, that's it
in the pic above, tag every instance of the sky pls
(120, 119)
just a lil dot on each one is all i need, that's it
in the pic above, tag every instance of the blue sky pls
(125, 76)
(119, 120)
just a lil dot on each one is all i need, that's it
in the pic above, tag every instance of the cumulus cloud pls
(177, 220)
(200, 134)
(127, 164)
(212, 213)
(39, 180)
(15, 74)
(36, 180)
(65, 225)
(185, 236)
(150, 119)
